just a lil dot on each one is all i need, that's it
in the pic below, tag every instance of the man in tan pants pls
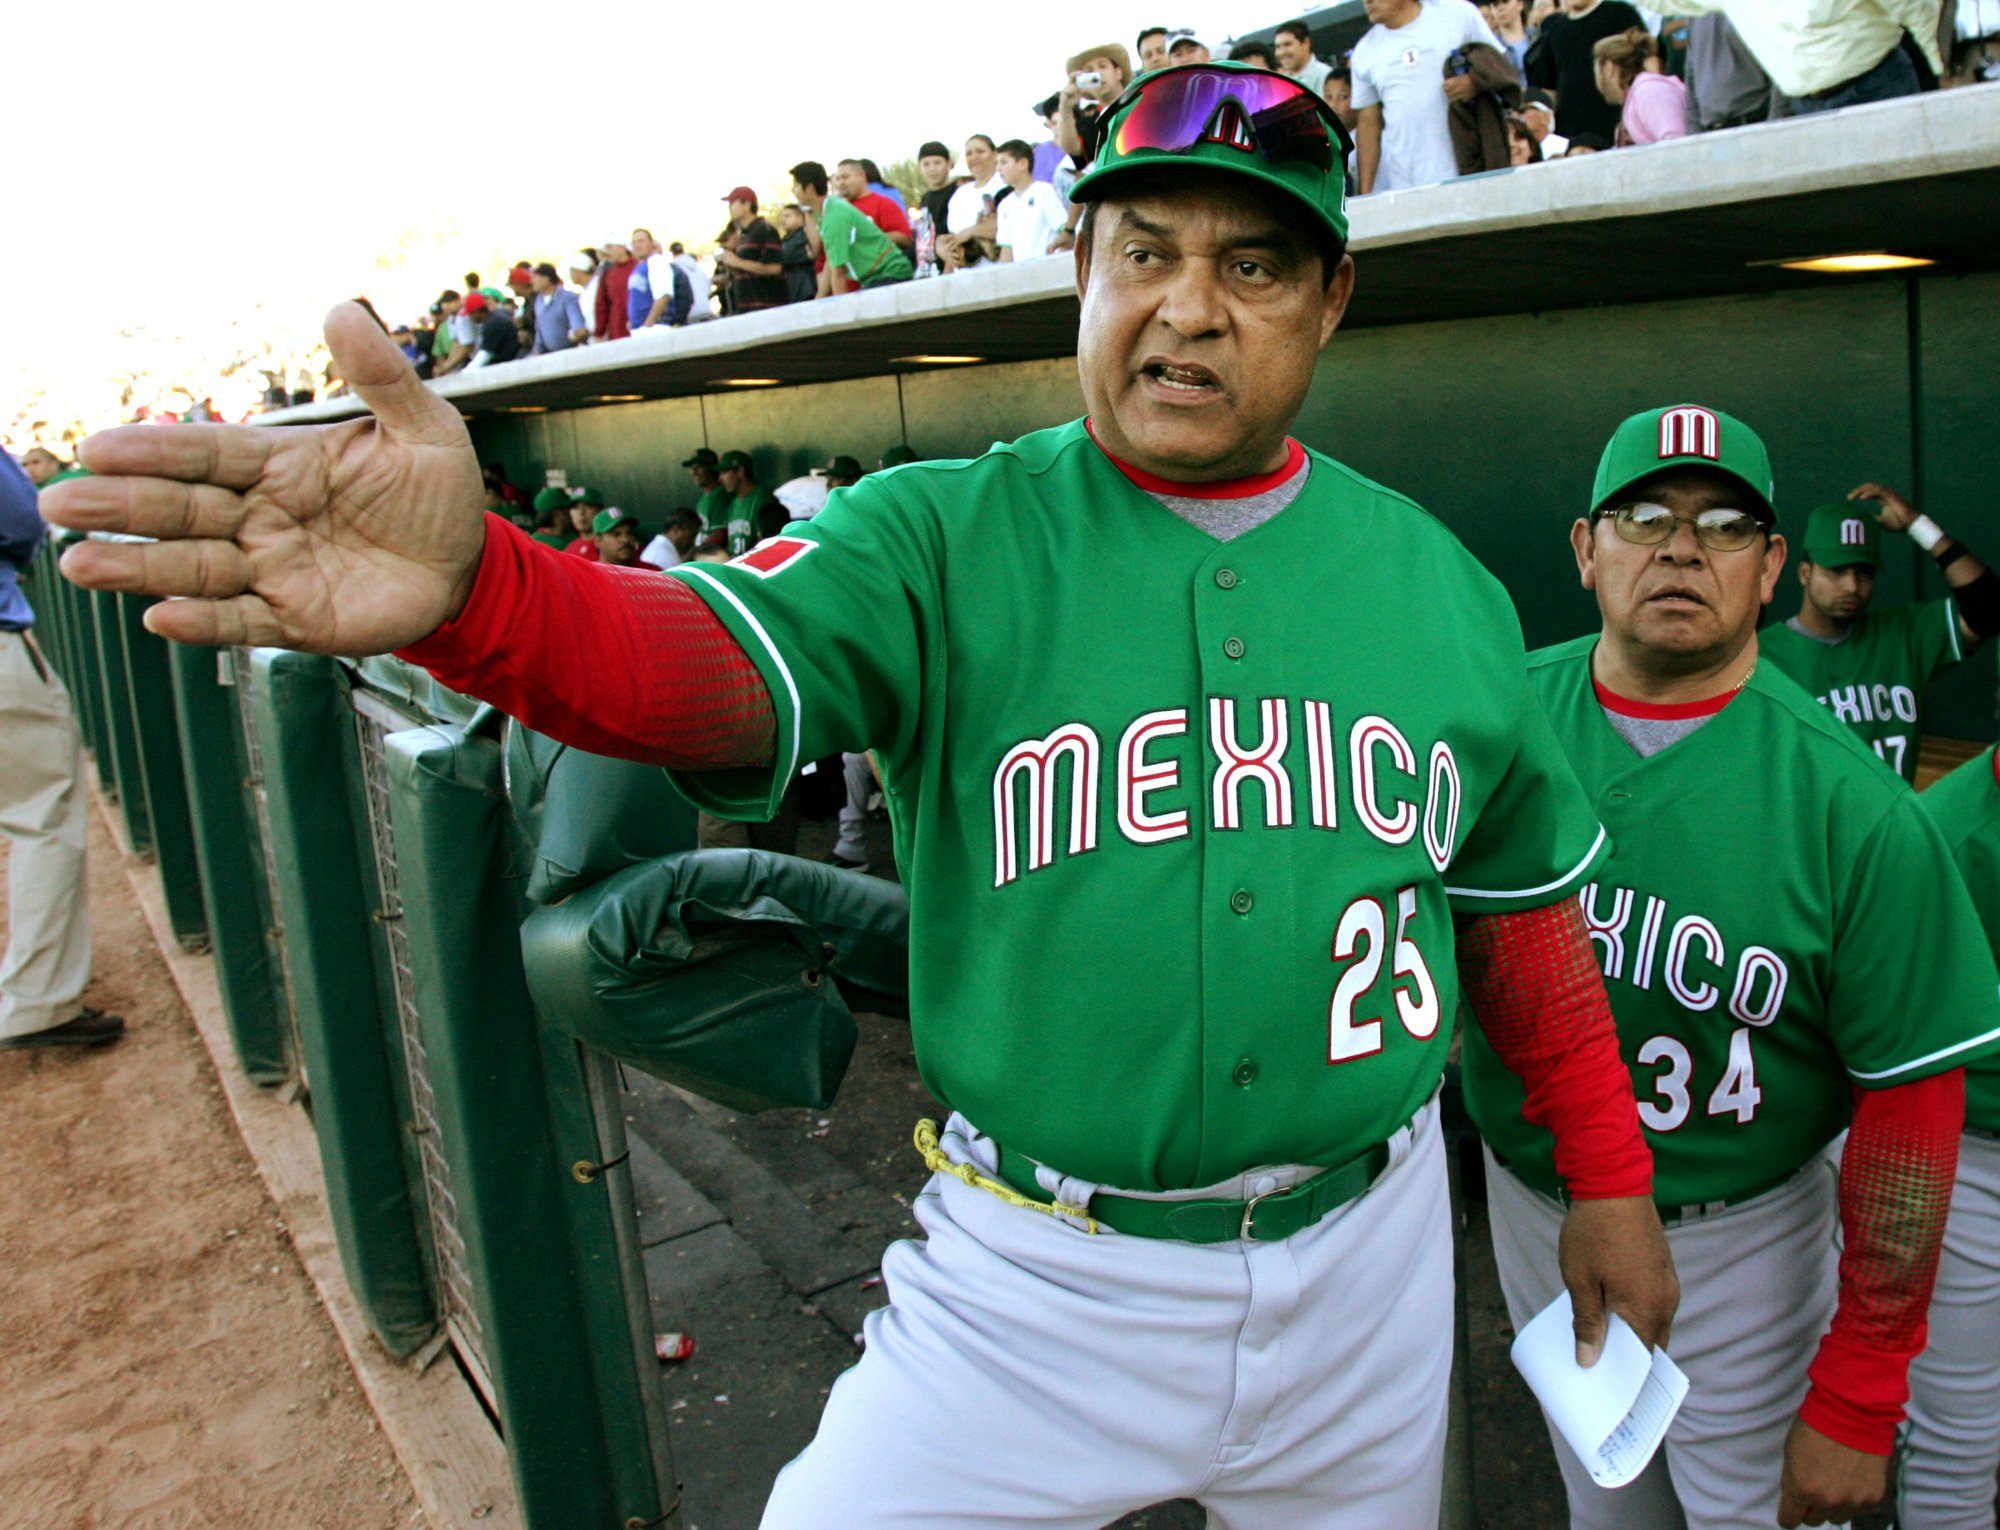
(47, 962)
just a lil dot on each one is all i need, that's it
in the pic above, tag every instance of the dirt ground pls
(167, 1362)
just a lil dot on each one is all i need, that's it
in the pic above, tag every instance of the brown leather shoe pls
(91, 1028)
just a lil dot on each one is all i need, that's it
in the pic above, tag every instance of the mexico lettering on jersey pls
(1752, 927)
(1873, 683)
(1050, 793)
(1184, 823)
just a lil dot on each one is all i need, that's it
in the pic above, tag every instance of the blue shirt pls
(640, 296)
(556, 315)
(21, 532)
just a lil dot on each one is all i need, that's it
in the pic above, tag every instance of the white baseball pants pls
(1029, 1373)
(1953, 1438)
(1758, 1283)
(42, 814)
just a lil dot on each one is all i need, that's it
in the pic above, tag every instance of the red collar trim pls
(1228, 488)
(1996, 767)
(1680, 711)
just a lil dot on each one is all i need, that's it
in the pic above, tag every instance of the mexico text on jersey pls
(1184, 821)
(1778, 923)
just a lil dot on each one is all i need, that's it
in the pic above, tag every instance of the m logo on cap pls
(768, 557)
(1227, 126)
(1853, 534)
(1690, 431)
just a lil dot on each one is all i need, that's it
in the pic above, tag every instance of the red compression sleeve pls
(1532, 981)
(1895, 1190)
(614, 661)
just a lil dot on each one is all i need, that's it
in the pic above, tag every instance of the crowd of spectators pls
(1432, 90)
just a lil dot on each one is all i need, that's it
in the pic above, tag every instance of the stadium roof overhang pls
(1693, 218)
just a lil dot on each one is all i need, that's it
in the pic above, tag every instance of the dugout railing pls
(439, 935)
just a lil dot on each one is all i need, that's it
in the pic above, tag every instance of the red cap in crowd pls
(475, 302)
(520, 275)
(743, 194)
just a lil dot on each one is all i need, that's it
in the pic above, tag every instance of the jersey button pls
(1233, 647)
(1225, 578)
(1244, 1073)
(1240, 900)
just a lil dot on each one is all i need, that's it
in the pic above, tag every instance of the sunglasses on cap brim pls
(1177, 109)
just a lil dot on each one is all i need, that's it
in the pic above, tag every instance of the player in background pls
(1952, 1441)
(1788, 949)
(1870, 668)
(1204, 828)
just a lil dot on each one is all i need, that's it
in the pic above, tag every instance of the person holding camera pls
(1407, 70)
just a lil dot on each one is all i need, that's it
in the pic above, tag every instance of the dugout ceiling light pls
(936, 361)
(1847, 265)
(526, 409)
(748, 382)
(618, 398)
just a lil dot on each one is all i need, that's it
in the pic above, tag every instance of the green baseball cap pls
(734, 460)
(1685, 435)
(1224, 115)
(590, 497)
(550, 499)
(1843, 533)
(843, 467)
(896, 456)
(609, 520)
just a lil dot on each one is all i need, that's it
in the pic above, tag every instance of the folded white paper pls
(1614, 1414)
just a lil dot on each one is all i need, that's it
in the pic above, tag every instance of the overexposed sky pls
(186, 167)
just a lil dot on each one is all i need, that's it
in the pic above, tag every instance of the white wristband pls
(1926, 533)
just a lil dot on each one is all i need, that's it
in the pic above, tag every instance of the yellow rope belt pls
(934, 1159)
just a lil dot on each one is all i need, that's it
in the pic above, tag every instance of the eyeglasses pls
(1176, 110)
(1717, 529)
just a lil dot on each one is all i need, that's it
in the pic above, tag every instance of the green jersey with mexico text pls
(1966, 807)
(1778, 921)
(1874, 680)
(713, 508)
(1184, 822)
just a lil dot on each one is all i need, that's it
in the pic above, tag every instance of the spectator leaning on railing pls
(1560, 59)
(969, 218)
(583, 272)
(851, 184)
(1032, 218)
(1826, 54)
(858, 254)
(658, 292)
(1403, 94)
(558, 316)
(612, 321)
(1652, 105)
(1726, 86)
(756, 266)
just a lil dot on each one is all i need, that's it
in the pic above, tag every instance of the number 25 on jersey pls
(1361, 941)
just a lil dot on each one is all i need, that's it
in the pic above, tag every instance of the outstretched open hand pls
(354, 538)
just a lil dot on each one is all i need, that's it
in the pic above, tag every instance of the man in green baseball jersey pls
(754, 512)
(1951, 1448)
(713, 506)
(1204, 830)
(1870, 668)
(1754, 925)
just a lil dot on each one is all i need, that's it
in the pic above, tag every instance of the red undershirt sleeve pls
(1532, 980)
(620, 662)
(1895, 1191)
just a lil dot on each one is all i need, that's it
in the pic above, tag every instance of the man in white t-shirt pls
(1401, 94)
(1031, 215)
(968, 216)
